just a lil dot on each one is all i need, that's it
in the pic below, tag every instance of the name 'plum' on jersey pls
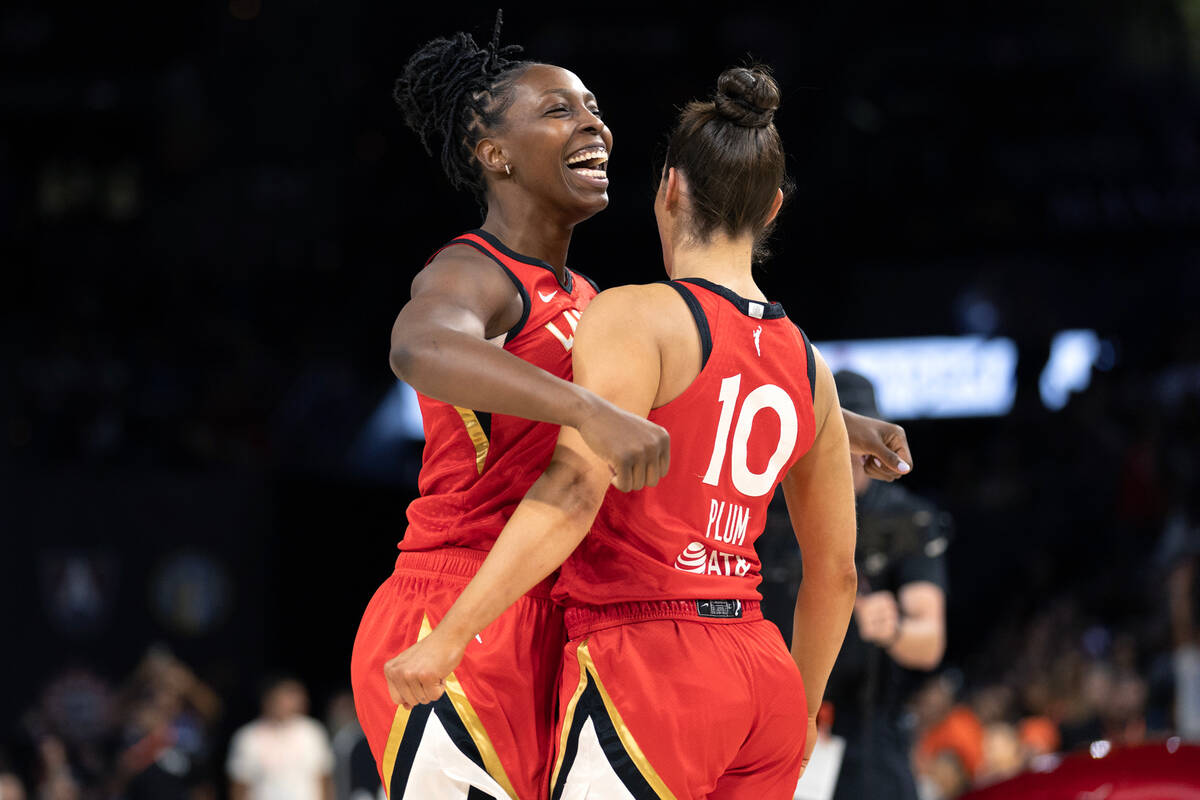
(735, 432)
(476, 467)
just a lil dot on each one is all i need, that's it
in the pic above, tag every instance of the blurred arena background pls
(210, 215)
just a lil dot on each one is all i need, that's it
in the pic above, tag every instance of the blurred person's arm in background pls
(196, 692)
(911, 627)
(327, 791)
(921, 637)
(238, 790)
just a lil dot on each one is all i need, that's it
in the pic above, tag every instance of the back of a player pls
(673, 683)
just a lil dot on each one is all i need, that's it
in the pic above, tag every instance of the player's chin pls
(586, 206)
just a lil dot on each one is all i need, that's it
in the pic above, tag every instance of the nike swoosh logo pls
(546, 298)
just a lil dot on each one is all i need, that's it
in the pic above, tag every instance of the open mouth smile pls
(590, 163)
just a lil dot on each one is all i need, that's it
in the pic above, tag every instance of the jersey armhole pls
(812, 365)
(526, 305)
(591, 282)
(706, 344)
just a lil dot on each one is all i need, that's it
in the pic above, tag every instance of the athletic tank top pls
(735, 431)
(476, 467)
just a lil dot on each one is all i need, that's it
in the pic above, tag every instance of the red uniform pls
(491, 731)
(673, 684)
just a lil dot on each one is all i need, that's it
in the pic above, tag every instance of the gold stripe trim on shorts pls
(478, 436)
(568, 720)
(471, 720)
(399, 723)
(626, 736)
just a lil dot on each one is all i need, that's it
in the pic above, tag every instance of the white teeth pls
(588, 155)
(592, 173)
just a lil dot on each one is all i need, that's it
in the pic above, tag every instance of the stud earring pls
(507, 169)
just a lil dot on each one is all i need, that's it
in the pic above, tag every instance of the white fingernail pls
(903, 467)
(876, 460)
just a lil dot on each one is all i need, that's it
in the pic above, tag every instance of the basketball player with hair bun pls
(672, 684)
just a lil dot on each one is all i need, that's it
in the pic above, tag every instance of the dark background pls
(210, 216)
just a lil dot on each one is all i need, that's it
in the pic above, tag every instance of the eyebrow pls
(586, 95)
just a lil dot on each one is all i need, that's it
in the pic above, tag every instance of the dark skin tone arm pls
(445, 343)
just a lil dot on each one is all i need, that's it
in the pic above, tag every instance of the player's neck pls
(530, 234)
(722, 260)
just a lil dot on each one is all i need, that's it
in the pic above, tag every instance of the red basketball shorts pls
(677, 708)
(490, 734)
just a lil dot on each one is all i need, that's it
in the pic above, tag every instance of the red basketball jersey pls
(735, 431)
(476, 467)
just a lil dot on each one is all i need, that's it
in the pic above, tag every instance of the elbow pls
(933, 657)
(401, 358)
(925, 654)
(583, 499)
(836, 576)
(843, 574)
(574, 490)
(925, 663)
(847, 577)
(413, 354)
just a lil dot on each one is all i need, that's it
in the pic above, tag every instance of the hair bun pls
(747, 96)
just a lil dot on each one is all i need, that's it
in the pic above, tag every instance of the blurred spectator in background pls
(165, 743)
(57, 780)
(899, 623)
(1179, 554)
(70, 730)
(284, 754)
(949, 739)
(11, 787)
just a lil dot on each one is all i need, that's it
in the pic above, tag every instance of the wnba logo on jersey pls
(700, 560)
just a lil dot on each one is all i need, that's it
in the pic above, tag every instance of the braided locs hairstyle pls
(454, 91)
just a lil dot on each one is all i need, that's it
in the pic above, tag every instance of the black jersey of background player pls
(901, 540)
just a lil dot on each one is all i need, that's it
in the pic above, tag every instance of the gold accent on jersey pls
(478, 436)
(623, 733)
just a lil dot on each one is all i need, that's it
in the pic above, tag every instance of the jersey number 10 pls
(753, 484)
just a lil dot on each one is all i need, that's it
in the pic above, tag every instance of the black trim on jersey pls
(475, 793)
(414, 730)
(485, 422)
(706, 343)
(515, 256)
(526, 304)
(812, 365)
(591, 282)
(591, 705)
(770, 310)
